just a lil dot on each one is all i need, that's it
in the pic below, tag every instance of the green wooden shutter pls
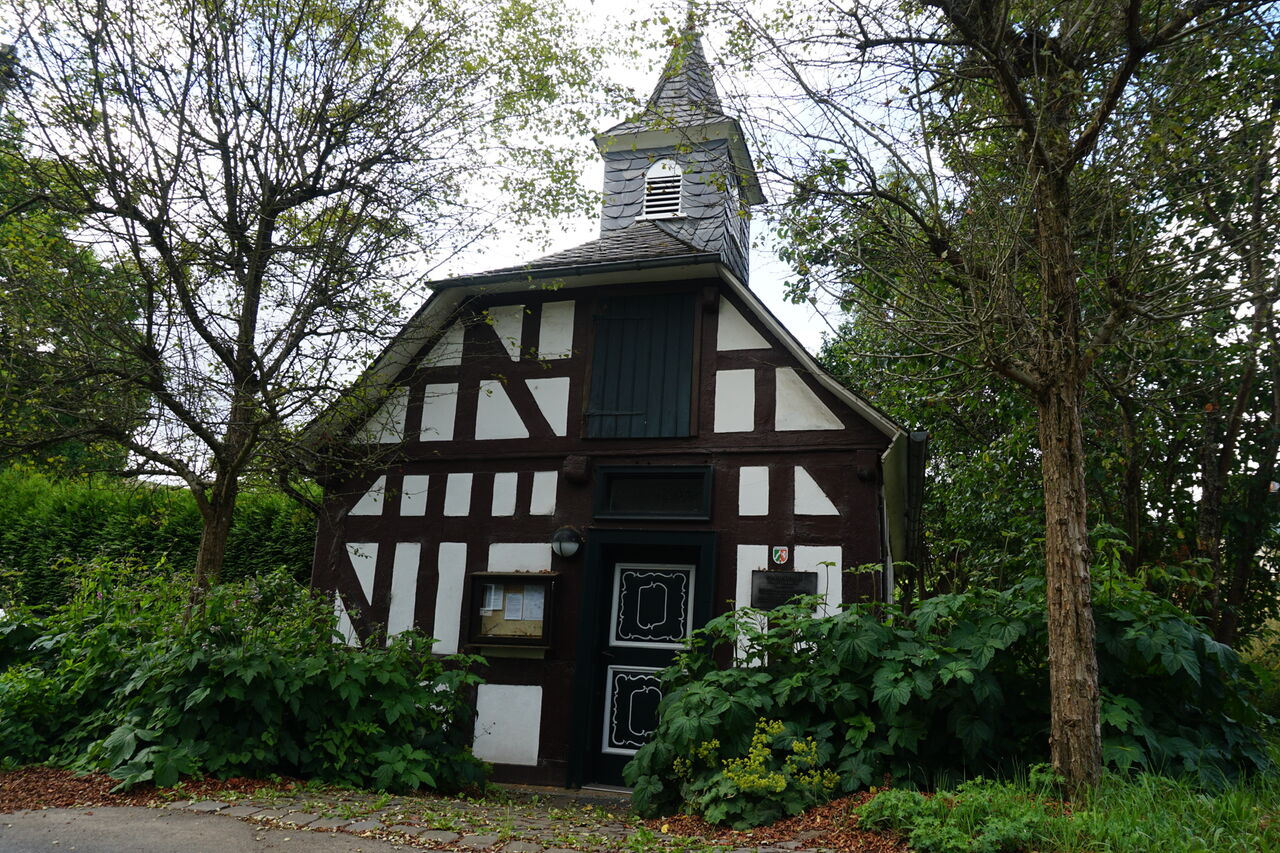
(642, 367)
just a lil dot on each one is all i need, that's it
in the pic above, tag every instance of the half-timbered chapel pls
(588, 456)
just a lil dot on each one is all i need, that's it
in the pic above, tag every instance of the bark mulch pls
(833, 826)
(50, 788)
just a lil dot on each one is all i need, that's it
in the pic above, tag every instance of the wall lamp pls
(565, 542)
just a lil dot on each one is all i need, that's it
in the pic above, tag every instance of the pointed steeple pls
(683, 162)
(686, 92)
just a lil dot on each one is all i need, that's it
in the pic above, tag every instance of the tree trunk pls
(1075, 735)
(1075, 739)
(213, 536)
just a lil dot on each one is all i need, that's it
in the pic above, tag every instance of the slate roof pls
(686, 93)
(644, 240)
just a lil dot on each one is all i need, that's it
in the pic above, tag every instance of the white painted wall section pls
(543, 500)
(810, 498)
(370, 502)
(797, 407)
(750, 558)
(496, 417)
(452, 569)
(448, 349)
(364, 561)
(520, 557)
(504, 494)
(753, 490)
(345, 628)
(457, 495)
(552, 396)
(508, 723)
(735, 401)
(508, 323)
(555, 330)
(439, 411)
(404, 587)
(387, 424)
(825, 561)
(734, 332)
(413, 494)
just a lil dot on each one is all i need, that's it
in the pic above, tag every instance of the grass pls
(1141, 813)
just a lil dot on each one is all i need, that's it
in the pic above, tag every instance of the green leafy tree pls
(277, 176)
(965, 174)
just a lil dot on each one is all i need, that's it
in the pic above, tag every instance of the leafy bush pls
(958, 686)
(254, 684)
(780, 775)
(50, 527)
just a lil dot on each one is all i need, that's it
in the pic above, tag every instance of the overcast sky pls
(767, 273)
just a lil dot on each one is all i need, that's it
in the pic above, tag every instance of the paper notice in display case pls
(514, 610)
(492, 597)
(535, 602)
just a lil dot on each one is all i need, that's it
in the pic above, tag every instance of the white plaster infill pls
(387, 424)
(753, 490)
(824, 560)
(447, 351)
(552, 396)
(504, 494)
(508, 723)
(364, 562)
(457, 495)
(519, 557)
(370, 502)
(413, 494)
(496, 417)
(555, 330)
(404, 588)
(798, 407)
(734, 332)
(439, 412)
(451, 566)
(810, 498)
(750, 558)
(345, 627)
(735, 401)
(508, 324)
(543, 499)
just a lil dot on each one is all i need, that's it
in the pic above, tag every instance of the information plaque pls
(774, 589)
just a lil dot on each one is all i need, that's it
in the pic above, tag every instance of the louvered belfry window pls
(662, 190)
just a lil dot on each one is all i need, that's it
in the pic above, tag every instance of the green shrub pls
(254, 684)
(50, 527)
(956, 687)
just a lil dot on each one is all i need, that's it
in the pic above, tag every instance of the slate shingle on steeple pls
(686, 93)
(684, 122)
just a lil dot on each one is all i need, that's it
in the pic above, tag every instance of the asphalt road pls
(138, 830)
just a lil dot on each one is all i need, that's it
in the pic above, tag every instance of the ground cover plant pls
(1140, 814)
(250, 683)
(954, 688)
(50, 526)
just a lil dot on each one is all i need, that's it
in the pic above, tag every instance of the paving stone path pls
(531, 823)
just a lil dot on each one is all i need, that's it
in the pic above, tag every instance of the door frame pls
(597, 580)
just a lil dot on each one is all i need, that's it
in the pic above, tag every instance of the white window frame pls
(661, 175)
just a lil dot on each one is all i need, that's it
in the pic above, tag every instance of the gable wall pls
(396, 544)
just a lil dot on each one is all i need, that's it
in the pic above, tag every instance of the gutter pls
(518, 275)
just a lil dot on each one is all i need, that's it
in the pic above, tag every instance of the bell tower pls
(683, 163)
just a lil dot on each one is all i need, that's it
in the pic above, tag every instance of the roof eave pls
(560, 271)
